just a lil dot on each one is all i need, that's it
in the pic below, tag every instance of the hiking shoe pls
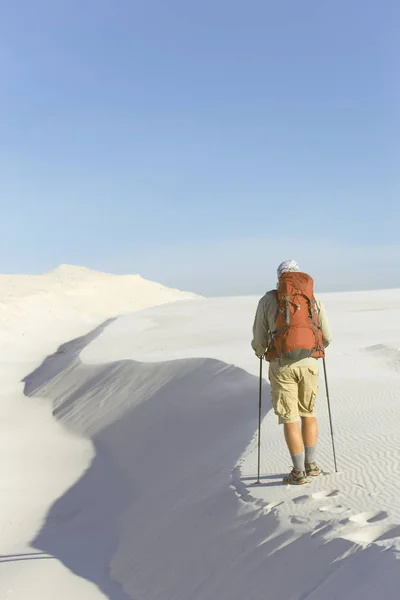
(312, 470)
(295, 478)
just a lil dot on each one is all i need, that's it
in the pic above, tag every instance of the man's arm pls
(324, 324)
(260, 330)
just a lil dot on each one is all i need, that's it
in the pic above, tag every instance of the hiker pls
(291, 332)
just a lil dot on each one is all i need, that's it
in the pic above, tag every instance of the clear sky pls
(202, 142)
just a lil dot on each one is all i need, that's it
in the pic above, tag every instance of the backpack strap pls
(287, 311)
(313, 310)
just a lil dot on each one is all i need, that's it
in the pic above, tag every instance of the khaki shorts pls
(293, 391)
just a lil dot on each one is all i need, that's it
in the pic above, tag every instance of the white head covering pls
(287, 266)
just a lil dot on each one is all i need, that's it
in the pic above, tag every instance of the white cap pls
(287, 266)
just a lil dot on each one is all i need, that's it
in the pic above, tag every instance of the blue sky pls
(199, 143)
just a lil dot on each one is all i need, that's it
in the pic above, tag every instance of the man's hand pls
(258, 349)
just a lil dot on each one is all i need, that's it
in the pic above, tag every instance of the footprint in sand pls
(361, 528)
(368, 517)
(366, 527)
(335, 509)
(323, 529)
(325, 494)
(301, 499)
(299, 520)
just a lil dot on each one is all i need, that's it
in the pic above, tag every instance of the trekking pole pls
(259, 421)
(330, 415)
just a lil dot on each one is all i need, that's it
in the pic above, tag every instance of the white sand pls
(155, 499)
(39, 459)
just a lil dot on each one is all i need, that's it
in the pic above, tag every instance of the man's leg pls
(293, 437)
(309, 430)
(308, 390)
(284, 392)
(295, 445)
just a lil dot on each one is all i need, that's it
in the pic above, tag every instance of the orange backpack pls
(297, 333)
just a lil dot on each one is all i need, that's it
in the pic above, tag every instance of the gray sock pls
(298, 461)
(311, 451)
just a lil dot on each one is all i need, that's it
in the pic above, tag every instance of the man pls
(293, 370)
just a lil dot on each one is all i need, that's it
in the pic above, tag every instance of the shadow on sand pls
(156, 516)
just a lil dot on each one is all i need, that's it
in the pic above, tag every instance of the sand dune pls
(39, 459)
(153, 494)
(157, 504)
(175, 434)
